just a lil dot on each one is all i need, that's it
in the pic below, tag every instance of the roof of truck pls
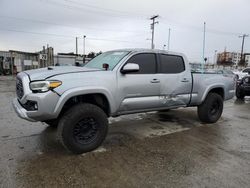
(149, 50)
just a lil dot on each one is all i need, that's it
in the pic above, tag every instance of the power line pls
(209, 30)
(105, 9)
(64, 25)
(84, 9)
(67, 36)
(200, 29)
(37, 33)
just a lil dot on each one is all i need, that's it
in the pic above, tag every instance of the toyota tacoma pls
(79, 100)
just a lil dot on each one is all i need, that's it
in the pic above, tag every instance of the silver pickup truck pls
(79, 100)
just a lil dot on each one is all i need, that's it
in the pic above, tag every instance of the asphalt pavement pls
(156, 149)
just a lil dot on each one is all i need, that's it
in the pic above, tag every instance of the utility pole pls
(48, 57)
(153, 29)
(11, 64)
(76, 45)
(215, 58)
(203, 50)
(169, 31)
(242, 47)
(84, 37)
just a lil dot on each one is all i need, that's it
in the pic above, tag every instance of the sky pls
(27, 25)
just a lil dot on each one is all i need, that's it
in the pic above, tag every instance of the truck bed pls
(204, 82)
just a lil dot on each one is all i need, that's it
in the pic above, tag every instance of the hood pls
(49, 72)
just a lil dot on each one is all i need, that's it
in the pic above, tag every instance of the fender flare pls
(83, 91)
(211, 87)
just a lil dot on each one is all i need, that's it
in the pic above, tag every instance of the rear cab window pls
(171, 64)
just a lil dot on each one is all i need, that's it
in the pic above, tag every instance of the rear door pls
(176, 81)
(140, 90)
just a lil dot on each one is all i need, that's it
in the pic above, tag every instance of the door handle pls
(184, 80)
(155, 81)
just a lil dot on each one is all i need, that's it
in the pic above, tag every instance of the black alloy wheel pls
(86, 130)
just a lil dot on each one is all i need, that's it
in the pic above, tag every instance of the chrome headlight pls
(43, 86)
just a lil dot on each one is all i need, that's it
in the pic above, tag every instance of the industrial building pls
(16, 61)
(13, 61)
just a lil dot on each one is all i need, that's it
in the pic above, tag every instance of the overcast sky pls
(27, 25)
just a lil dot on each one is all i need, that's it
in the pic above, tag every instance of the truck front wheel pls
(52, 123)
(211, 109)
(83, 128)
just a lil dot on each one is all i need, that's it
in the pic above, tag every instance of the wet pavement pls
(158, 149)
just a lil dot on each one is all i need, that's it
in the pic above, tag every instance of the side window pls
(146, 62)
(172, 64)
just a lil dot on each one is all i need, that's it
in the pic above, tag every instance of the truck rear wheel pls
(83, 128)
(211, 109)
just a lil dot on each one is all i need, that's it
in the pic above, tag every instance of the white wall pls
(64, 60)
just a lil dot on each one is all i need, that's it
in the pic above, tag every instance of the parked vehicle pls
(228, 73)
(243, 85)
(241, 74)
(79, 100)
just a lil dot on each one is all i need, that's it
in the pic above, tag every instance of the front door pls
(140, 90)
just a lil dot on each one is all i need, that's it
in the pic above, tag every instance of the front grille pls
(19, 88)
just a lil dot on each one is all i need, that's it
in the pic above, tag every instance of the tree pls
(91, 55)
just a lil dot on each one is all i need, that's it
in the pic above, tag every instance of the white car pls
(241, 74)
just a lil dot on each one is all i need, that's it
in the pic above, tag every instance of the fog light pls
(30, 105)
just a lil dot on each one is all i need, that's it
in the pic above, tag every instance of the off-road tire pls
(52, 123)
(68, 128)
(211, 108)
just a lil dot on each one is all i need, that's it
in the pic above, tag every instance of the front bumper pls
(46, 103)
(34, 106)
(244, 89)
(21, 112)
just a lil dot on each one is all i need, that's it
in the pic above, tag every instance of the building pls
(46, 57)
(5, 62)
(247, 58)
(14, 61)
(23, 61)
(225, 58)
(70, 59)
(231, 58)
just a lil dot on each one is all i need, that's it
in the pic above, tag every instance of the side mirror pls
(105, 66)
(130, 67)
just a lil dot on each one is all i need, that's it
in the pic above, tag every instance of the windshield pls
(110, 58)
